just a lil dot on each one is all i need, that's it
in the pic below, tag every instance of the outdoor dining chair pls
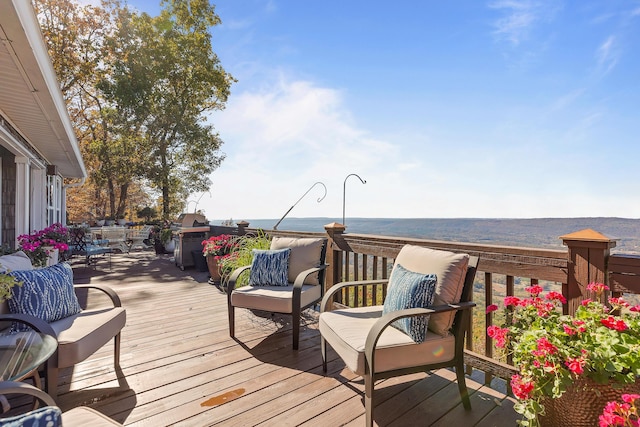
(285, 279)
(427, 288)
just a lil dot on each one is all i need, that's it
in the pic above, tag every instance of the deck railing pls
(502, 271)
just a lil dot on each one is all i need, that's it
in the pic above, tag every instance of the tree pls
(164, 78)
(78, 40)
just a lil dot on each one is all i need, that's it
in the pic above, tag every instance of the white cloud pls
(519, 18)
(607, 55)
(282, 139)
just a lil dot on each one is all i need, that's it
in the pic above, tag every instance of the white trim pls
(38, 198)
(23, 178)
(17, 148)
(31, 27)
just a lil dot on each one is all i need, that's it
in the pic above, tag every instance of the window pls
(54, 199)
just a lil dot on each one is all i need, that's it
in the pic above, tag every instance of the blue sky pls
(495, 109)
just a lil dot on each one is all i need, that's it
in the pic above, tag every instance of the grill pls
(191, 230)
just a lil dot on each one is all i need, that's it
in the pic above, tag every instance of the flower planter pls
(52, 259)
(214, 271)
(582, 403)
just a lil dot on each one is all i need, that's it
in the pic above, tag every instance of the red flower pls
(576, 365)
(630, 398)
(598, 288)
(511, 301)
(498, 334)
(556, 296)
(534, 290)
(491, 308)
(545, 347)
(615, 324)
(521, 389)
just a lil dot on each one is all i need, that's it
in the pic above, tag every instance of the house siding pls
(8, 211)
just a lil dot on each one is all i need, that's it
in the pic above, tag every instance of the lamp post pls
(344, 189)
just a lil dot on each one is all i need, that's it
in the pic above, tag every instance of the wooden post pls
(334, 253)
(242, 227)
(587, 263)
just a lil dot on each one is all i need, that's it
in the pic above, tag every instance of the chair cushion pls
(346, 331)
(48, 416)
(277, 299)
(269, 268)
(18, 261)
(15, 262)
(449, 267)
(45, 293)
(305, 254)
(81, 335)
(84, 416)
(408, 289)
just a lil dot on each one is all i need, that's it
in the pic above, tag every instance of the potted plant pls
(567, 363)
(241, 254)
(43, 246)
(214, 249)
(161, 238)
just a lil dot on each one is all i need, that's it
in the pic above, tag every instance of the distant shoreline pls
(531, 232)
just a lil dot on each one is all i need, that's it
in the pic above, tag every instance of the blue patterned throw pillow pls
(408, 289)
(49, 416)
(46, 293)
(269, 267)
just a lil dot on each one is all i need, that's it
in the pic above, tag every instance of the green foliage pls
(165, 80)
(6, 283)
(241, 255)
(147, 213)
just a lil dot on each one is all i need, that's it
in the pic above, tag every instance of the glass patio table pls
(21, 353)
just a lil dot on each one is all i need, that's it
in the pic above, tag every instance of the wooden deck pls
(179, 366)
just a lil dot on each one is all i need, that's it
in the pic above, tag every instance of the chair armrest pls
(231, 284)
(115, 299)
(13, 387)
(328, 297)
(300, 278)
(383, 322)
(32, 321)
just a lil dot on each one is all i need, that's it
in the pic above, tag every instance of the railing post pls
(334, 253)
(242, 227)
(588, 259)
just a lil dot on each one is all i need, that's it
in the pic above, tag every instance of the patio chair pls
(426, 287)
(136, 237)
(80, 330)
(50, 415)
(286, 279)
(116, 237)
(81, 243)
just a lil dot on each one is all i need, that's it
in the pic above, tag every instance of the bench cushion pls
(276, 299)
(80, 335)
(18, 261)
(346, 330)
(305, 254)
(449, 267)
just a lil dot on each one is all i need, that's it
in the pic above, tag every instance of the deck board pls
(180, 367)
